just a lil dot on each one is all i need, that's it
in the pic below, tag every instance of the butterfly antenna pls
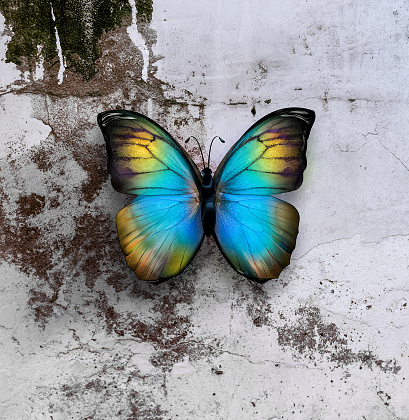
(193, 137)
(210, 148)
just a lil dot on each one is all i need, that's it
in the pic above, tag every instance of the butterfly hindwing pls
(160, 235)
(255, 231)
(160, 231)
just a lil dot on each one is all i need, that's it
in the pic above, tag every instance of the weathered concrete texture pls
(81, 337)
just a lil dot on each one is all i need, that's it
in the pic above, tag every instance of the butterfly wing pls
(270, 157)
(160, 231)
(255, 231)
(144, 159)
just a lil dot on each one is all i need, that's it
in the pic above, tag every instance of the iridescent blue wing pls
(160, 235)
(270, 157)
(160, 231)
(255, 231)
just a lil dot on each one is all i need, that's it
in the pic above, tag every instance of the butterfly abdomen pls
(208, 208)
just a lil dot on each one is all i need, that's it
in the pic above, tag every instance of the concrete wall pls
(80, 336)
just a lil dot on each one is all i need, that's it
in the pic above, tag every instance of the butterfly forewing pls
(143, 159)
(255, 231)
(160, 231)
(270, 156)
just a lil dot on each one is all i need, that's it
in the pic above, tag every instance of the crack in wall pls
(393, 154)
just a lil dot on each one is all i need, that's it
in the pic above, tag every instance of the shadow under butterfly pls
(176, 205)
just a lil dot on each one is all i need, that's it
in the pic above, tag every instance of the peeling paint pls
(81, 337)
(139, 41)
(59, 50)
(311, 337)
(67, 31)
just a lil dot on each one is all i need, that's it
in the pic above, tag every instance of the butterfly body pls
(208, 205)
(176, 205)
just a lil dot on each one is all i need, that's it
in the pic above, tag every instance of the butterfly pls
(176, 205)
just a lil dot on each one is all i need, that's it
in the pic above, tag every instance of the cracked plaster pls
(82, 338)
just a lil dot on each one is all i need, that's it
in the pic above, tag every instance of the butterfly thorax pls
(208, 209)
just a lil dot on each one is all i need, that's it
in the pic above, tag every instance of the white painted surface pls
(348, 60)
(8, 315)
(329, 338)
(19, 129)
(138, 40)
(59, 50)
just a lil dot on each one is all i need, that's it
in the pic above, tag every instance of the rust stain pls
(20, 243)
(142, 409)
(168, 331)
(309, 336)
(119, 281)
(127, 404)
(30, 205)
(258, 307)
(42, 159)
(31, 237)
(41, 304)
(92, 158)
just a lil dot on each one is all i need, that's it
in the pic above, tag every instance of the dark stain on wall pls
(80, 26)
(167, 330)
(143, 409)
(22, 243)
(125, 402)
(30, 24)
(30, 205)
(92, 159)
(258, 306)
(62, 234)
(309, 335)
